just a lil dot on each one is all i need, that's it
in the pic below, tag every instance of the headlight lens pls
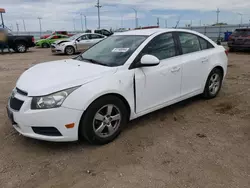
(53, 100)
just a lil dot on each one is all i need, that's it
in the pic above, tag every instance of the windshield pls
(115, 50)
(74, 37)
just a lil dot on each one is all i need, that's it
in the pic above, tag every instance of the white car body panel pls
(145, 89)
(79, 46)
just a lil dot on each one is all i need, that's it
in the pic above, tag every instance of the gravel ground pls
(195, 143)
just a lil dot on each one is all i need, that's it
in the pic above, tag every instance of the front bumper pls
(25, 120)
(57, 49)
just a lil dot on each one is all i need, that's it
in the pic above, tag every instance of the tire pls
(21, 47)
(213, 84)
(69, 50)
(45, 45)
(109, 128)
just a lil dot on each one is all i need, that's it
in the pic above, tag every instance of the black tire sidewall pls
(68, 48)
(45, 45)
(21, 44)
(206, 93)
(86, 125)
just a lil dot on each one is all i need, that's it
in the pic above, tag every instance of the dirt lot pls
(195, 143)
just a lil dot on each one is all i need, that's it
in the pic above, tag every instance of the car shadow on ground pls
(58, 146)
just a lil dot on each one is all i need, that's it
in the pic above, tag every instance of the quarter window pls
(162, 46)
(189, 43)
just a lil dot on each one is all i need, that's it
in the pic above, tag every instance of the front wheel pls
(103, 120)
(69, 50)
(213, 84)
(45, 45)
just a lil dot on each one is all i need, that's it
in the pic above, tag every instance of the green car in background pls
(45, 43)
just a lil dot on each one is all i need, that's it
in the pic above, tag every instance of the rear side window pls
(93, 36)
(189, 43)
(162, 46)
(205, 44)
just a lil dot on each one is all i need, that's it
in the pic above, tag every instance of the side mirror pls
(149, 60)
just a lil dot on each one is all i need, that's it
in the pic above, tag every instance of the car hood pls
(61, 41)
(50, 77)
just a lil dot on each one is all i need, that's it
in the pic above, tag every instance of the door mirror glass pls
(149, 60)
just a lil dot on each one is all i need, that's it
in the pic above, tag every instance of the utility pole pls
(81, 21)
(24, 26)
(136, 18)
(218, 13)
(241, 18)
(17, 28)
(200, 22)
(74, 24)
(98, 7)
(85, 21)
(158, 22)
(39, 18)
(191, 23)
(166, 23)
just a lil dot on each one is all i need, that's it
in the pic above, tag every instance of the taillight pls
(226, 51)
(33, 39)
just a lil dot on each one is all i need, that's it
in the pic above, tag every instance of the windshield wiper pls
(93, 61)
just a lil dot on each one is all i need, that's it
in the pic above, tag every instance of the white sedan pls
(119, 79)
(76, 43)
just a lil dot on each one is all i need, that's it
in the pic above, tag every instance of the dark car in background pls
(20, 43)
(239, 40)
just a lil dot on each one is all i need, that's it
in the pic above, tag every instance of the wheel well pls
(110, 94)
(221, 69)
(20, 41)
(69, 46)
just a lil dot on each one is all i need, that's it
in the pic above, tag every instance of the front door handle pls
(175, 69)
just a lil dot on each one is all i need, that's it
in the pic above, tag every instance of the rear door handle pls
(175, 69)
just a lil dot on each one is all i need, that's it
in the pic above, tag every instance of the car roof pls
(148, 32)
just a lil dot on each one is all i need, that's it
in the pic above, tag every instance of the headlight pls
(53, 100)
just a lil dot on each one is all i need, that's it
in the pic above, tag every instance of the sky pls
(65, 14)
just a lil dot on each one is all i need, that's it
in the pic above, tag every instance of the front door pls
(158, 85)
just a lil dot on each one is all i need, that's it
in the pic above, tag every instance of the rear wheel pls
(69, 50)
(45, 45)
(103, 120)
(21, 48)
(213, 84)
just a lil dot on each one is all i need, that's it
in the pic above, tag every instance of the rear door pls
(94, 38)
(195, 58)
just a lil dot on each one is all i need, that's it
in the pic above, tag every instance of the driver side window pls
(162, 46)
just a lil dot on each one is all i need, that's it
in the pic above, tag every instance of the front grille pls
(46, 131)
(21, 92)
(15, 103)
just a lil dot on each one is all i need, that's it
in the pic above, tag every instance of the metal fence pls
(213, 32)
